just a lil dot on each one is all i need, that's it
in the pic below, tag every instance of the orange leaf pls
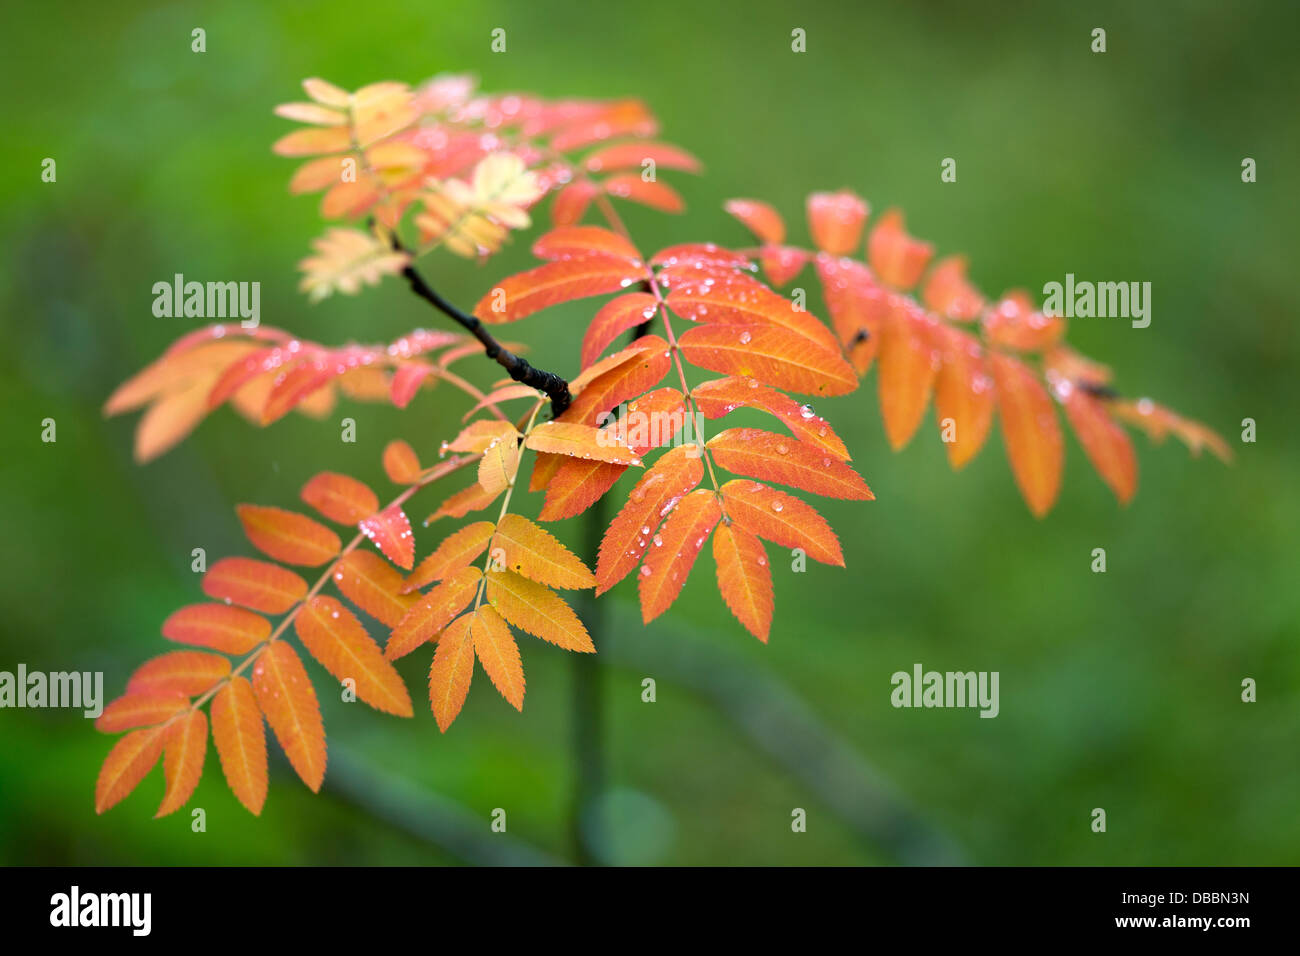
(720, 396)
(835, 220)
(895, 256)
(126, 765)
(744, 577)
(614, 318)
(184, 748)
(572, 201)
(286, 697)
(401, 464)
(771, 355)
(534, 553)
(255, 584)
(948, 291)
(627, 380)
(231, 630)
(473, 498)
(674, 550)
(761, 219)
(1030, 431)
(373, 585)
(390, 532)
(537, 609)
(497, 651)
(498, 466)
(907, 367)
(333, 635)
(858, 306)
(580, 441)
(655, 495)
(782, 263)
(577, 242)
(451, 671)
(481, 435)
(528, 292)
(1105, 443)
(1015, 323)
(241, 742)
(770, 457)
(634, 155)
(140, 710)
(340, 498)
(656, 195)
(737, 299)
(575, 485)
(963, 393)
(782, 519)
(182, 672)
(458, 550)
(288, 536)
(433, 612)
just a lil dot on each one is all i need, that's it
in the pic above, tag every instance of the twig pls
(518, 368)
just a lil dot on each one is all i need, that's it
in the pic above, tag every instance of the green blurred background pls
(1119, 691)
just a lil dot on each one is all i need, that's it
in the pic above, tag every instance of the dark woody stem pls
(518, 368)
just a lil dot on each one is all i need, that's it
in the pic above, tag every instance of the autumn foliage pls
(410, 171)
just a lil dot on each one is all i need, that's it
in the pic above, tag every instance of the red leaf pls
(390, 532)
(1030, 431)
(782, 263)
(761, 219)
(835, 220)
(340, 498)
(674, 549)
(288, 536)
(407, 381)
(259, 585)
(634, 155)
(787, 461)
(656, 195)
(579, 242)
(231, 630)
(528, 292)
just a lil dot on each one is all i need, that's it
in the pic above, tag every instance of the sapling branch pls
(518, 367)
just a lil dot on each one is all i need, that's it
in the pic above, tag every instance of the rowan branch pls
(518, 367)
